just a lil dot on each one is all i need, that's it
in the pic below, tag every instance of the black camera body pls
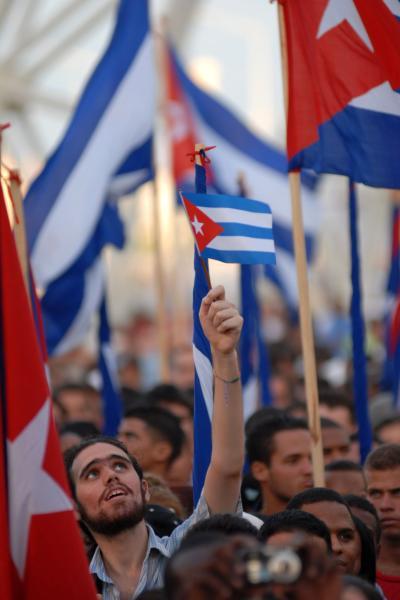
(266, 564)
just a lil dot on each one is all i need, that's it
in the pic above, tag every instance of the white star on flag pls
(337, 11)
(197, 226)
(32, 491)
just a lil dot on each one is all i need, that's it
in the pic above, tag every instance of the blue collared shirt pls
(158, 551)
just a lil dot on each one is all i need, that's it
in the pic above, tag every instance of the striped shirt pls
(157, 554)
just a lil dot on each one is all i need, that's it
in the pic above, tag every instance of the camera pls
(266, 564)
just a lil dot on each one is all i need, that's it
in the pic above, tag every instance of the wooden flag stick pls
(307, 339)
(160, 286)
(19, 226)
(197, 157)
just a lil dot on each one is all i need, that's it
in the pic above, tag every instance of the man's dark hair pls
(392, 420)
(295, 520)
(227, 524)
(83, 387)
(260, 438)
(167, 393)
(343, 465)
(327, 423)
(164, 424)
(367, 506)
(314, 495)
(383, 458)
(368, 553)
(260, 416)
(336, 399)
(71, 454)
(84, 429)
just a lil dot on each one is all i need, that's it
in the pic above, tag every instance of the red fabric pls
(390, 585)
(54, 564)
(210, 229)
(180, 125)
(325, 73)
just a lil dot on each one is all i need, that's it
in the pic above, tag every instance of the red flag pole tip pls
(205, 160)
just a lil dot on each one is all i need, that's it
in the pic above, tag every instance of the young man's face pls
(109, 493)
(336, 444)
(346, 544)
(137, 437)
(290, 469)
(383, 490)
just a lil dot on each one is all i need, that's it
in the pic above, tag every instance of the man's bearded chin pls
(112, 526)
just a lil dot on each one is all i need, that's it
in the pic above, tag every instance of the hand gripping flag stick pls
(307, 340)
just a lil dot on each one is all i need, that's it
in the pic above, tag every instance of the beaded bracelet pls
(234, 380)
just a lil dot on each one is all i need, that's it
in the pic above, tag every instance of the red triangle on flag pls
(204, 229)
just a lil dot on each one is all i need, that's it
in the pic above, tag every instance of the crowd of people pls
(260, 529)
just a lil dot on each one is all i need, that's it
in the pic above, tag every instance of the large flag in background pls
(344, 77)
(195, 115)
(43, 535)
(105, 152)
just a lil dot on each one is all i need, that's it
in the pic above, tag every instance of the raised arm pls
(222, 325)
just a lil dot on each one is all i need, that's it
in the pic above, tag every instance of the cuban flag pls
(192, 115)
(344, 78)
(106, 152)
(230, 228)
(39, 536)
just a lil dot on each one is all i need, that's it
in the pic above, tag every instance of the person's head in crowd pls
(335, 441)
(366, 512)
(282, 358)
(80, 402)
(346, 477)
(223, 523)
(172, 398)
(297, 409)
(388, 431)
(279, 454)
(73, 433)
(281, 390)
(355, 453)
(162, 495)
(262, 414)
(130, 398)
(355, 588)
(154, 436)
(337, 406)
(382, 472)
(281, 528)
(182, 366)
(349, 539)
(129, 375)
(85, 465)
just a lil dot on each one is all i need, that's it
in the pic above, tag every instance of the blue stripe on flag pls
(240, 256)
(246, 231)
(224, 201)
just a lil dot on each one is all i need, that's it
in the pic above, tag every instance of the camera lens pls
(284, 567)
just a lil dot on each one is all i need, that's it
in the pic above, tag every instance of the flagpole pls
(160, 284)
(307, 339)
(198, 161)
(19, 226)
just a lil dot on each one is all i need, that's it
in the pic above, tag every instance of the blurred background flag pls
(71, 214)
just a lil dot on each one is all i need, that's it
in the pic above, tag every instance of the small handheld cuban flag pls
(230, 228)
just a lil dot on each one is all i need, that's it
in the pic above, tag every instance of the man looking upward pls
(110, 492)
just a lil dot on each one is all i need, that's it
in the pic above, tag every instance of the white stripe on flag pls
(94, 290)
(234, 242)
(235, 215)
(129, 116)
(205, 374)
